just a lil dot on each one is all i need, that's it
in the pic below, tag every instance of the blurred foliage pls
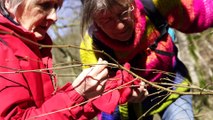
(196, 51)
(67, 32)
(67, 56)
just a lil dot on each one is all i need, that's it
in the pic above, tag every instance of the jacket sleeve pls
(63, 105)
(17, 102)
(187, 15)
(87, 54)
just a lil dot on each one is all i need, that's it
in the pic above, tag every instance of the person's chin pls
(123, 38)
(39, 36)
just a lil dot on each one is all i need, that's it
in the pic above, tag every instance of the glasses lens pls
(126, 15)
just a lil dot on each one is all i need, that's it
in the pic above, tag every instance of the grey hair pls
(14, 4)
(91, 7)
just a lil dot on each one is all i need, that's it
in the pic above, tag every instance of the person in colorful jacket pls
(27, 84)
(123, 29)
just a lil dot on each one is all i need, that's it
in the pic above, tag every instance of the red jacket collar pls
(9, 27)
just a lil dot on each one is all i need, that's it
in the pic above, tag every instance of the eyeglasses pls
(126, 15)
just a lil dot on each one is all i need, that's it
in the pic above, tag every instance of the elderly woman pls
(27, 86)
(136, 32)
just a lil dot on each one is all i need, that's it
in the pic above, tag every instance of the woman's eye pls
(105, 21)
(48, 5)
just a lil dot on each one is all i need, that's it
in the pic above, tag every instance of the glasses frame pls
(126, 15)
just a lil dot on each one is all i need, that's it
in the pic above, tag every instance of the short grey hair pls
(91, 7)
(13, 3)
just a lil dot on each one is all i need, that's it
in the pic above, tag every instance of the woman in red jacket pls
(26, 94)
(27, 89)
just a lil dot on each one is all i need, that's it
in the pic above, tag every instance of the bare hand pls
(91, 81)
(139, 93)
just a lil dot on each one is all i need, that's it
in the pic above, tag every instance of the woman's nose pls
(52, 15)
(120, 25)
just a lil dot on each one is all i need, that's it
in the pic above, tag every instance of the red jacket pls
(26, 95)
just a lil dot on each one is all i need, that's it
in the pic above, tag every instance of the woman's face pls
(37, 15)
(117, 23)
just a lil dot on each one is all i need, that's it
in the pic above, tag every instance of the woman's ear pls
(7, 4)
(10, 10)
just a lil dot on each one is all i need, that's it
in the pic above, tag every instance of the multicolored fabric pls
(122, 110)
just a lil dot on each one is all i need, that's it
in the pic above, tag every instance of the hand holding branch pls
(91, 81)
